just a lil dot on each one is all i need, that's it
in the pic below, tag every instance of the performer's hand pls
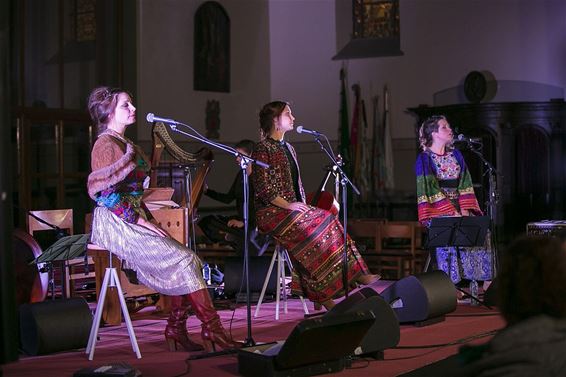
(234, 223)
(465, 212)
(154, 228)
(298, 206)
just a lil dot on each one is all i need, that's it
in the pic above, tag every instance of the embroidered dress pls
(444, 188)
(116, 184)
(314, 239)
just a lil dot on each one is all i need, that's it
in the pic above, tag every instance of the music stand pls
(462, 231)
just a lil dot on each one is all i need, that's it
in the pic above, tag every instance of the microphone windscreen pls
(461, 137)
(149, 117)
(299, 129)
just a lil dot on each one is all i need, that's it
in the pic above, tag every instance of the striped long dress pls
(314, 239)
(444, 188)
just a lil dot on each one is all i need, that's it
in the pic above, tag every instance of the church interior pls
(361, 77)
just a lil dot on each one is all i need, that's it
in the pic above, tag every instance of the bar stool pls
(111, 279)
(280, 256)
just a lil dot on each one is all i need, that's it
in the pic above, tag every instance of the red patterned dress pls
(314, 239)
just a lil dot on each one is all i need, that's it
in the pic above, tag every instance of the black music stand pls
(464, 231)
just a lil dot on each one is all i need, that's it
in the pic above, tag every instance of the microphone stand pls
(244, 162)
(491, 203)
(344, 181)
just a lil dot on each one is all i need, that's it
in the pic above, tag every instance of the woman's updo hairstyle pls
(269, 112)
(427, 128)
(102, 102)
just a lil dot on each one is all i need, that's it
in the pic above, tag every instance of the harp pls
(184, 171)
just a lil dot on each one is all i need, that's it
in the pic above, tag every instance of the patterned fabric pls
(277, 180)
(124, 198)
(437, 200)
(431, 199)
(314, 239)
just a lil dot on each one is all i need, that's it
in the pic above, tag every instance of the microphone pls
(154, 118)
(465, 139)
(301, 129)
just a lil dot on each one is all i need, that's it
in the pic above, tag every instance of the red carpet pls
(114, 345)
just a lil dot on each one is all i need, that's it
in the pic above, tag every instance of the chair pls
(280, 256)
(62, 219)
(365, 232)
(111, 314)
(396, 247)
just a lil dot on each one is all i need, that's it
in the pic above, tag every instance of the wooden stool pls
(111, 279)
(281, 256)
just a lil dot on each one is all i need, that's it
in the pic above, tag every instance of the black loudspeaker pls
(422, 299)
(52, 326)
(385, 331)
(233, 275)
(315, 346)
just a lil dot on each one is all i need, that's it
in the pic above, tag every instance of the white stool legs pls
(281, 257)
(111, 279)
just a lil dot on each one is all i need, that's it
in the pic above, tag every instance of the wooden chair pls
(397, 247)
(63, 219)
(365, 232)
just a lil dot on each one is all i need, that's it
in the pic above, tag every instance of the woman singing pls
(444, 188)
(122, 225)
(312, 236)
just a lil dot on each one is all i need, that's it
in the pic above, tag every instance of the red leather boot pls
(213, 334)
(176, 329)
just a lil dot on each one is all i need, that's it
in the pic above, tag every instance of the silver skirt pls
(161, 263)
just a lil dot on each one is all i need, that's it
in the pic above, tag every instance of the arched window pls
(212, 48)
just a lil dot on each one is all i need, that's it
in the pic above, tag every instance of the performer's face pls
(125, 112)
(444, 134)
(286, 120)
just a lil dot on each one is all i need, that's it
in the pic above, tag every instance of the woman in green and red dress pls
(444, 188)
(312, 236)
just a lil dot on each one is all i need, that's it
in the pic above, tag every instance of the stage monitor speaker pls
(384, 333)
(315, 346)
(52, 326)
(422, 299)
(233, 275)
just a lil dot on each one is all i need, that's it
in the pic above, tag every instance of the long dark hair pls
(102, 102)
(267, 114)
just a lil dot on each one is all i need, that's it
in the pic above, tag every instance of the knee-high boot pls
(213, 334)
(176, 329)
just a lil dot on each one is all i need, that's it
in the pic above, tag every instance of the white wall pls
(166, 65)
(165, 71)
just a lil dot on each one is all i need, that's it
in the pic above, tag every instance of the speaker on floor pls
(233, 275)
(315, 346)
(52, 326)
(422, 299)
(385, 331)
